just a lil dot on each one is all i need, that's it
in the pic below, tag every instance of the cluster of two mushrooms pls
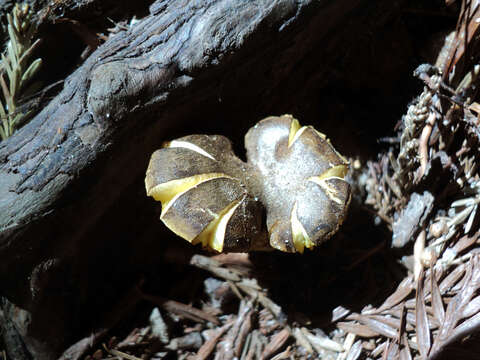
(293, 178)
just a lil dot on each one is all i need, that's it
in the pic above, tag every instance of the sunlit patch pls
(299, 234)
(168, 192)
(338, 171)
(335, 172)
(295, 131)
(213, 235)
(190, 146)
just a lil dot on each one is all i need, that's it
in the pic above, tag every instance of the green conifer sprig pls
(19, 70)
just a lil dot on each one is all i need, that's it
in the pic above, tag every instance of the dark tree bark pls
(76, 226)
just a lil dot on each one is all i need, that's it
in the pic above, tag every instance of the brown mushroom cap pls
(302, 180)
(198, 180)
(210, 196)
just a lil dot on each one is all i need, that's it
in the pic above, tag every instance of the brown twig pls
(208, 346)
(186, 311)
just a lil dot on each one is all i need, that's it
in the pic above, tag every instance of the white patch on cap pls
(189, 146)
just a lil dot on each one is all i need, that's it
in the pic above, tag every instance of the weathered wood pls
(71, 181)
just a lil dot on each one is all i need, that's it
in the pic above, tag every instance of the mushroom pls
(291, 194)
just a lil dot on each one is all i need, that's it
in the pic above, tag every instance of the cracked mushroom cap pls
(203, 198)
(302, 182)
(294, 176)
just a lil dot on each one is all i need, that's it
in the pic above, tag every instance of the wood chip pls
(321, 343)
(349, 340)
(244, 331)
(405, 353)
(215, 267)
(469, 326)
(255, 346)
(402, 291)
(262, 299)
(355, 351)
(191, 340)
(121, 354)
(412, 218)
(240, 261)
(379, 349)
(375, 325)
(437, 302)
(472, 308)
(465, 242)
(391, 351)
(158, 327)
(276, 343)
(302, 340)
(208, 346)
(287, 354)
(347, 345)
(422, 329)
(357, 329)
(235, 289)
(392, 322)
(401, 328)
(232, 344)
(452, 278)
(182, 310)
(448, 330)
(246, 347)
(339, 313)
